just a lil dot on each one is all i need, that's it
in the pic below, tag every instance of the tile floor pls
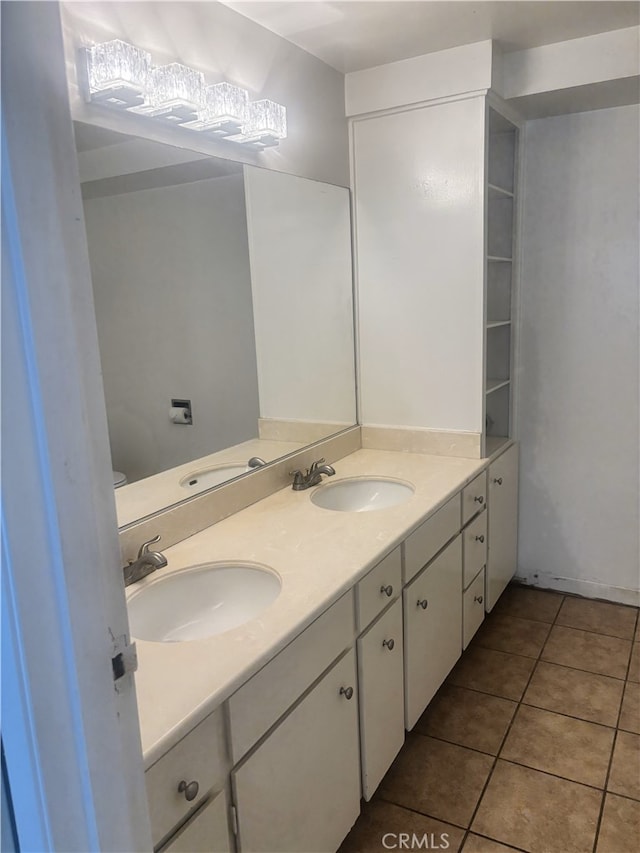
(532, 743)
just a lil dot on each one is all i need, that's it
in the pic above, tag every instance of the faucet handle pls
(314, 465)
(144, 548)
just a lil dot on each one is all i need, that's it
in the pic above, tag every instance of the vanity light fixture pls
(118, 73)
(121, 75)
(175, 93)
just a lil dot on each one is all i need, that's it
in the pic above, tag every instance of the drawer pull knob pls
(189, 789)
(480, 538)
(423, 603)
(478, 598)
(389, 644)
(386, 590)
(347, 692)
(479, 499)
(497, 481)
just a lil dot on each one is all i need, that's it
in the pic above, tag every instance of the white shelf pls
(495, 324)
(499, 260)
(494, 384)
(498, 192)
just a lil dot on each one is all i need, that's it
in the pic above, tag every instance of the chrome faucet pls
(312, 476)
(147, 562)
(256, 462)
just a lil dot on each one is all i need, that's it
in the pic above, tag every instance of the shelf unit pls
(500, 250)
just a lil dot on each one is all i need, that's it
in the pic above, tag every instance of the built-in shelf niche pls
(500, 251)
(498, 410)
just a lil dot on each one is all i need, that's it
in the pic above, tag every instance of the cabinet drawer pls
(381, 689)
(300, 789)
(474, 539)
(259, 703)
(433, 629)
(473, 609)
(474, 497)
(199, 757)
(378, 588)
(425, 542)
(207, 831)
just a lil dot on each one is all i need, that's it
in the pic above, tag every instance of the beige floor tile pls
(630, 714)
(587, 651)
(478, 844)
(586, 695)
(493, 672)
(616, 620)
(573, 749)
(620, 826)
(437, 778)
(467, 718)
(529, 603)
(513, 634)
(624, 777)
(637, 637)
(537, 812)
(380, 824)
(634, 666)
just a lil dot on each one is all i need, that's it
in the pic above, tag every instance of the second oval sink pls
(362, 494)
(201, 601)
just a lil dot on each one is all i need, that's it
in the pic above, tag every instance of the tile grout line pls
(613, 748)
(504, 738)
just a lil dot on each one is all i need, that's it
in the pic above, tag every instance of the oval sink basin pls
(362, 494)
(201, 601)
(197, 481)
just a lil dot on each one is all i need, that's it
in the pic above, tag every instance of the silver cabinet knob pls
(478, 598)
(347, 692)
(423, 603)
(497, 481)
(479, 499)
(480, 538)
(386, 590)
(189, 789)
(388, 644)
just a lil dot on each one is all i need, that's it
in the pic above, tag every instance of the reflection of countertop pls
(136, 500)
(319, 555)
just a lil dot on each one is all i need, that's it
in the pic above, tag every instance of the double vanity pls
(341, 610)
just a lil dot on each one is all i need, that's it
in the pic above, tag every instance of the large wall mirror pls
(219, 286)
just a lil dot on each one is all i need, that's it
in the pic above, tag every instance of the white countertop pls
(319, 554)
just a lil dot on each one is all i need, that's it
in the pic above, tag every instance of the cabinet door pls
(300, 789)
(381, 689)
(503, 524)
(206, 832)
(433, 629)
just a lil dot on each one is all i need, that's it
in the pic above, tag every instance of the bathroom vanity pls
(254, 736)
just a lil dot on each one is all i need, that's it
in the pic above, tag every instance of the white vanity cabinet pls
(381, 696)
(503, 524)
(300, 788)
(191, 776)
(433, 628)
(207, 831)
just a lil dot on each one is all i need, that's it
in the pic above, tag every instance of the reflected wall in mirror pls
(223, 284)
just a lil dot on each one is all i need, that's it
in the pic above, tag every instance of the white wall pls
(170, 270)
(301, 278)
(225, 45)
(578, 405)
(418, 180)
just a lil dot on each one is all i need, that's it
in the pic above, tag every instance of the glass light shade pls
(175, 92)
(266, 121)
(225, 104)
(117, 72)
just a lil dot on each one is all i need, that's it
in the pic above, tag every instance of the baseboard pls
(585, 588)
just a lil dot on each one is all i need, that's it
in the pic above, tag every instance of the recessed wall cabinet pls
(435, 219)
(320, 724)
